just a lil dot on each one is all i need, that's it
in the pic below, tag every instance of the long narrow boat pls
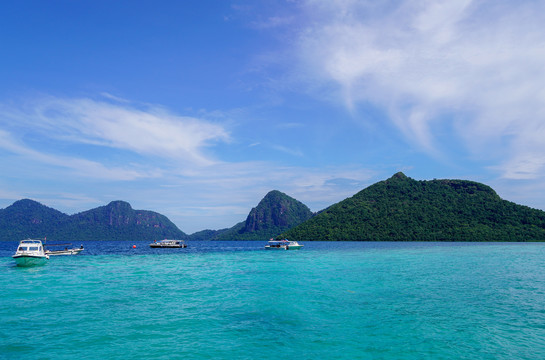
(30, 252)
(66, 251)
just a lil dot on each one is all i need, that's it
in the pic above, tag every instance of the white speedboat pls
(168, 244)
(30, 252)
(284, 244)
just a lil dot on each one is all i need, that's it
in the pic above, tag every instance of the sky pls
(196, 109)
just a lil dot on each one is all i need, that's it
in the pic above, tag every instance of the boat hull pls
(27, 261)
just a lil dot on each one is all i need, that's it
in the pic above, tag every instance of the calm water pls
(233, 300)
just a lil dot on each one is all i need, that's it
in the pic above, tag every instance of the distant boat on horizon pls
(168, 244)
(284, 244)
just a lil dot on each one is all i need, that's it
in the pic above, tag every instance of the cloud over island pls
(469, 70)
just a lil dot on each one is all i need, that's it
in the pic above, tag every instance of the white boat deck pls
(30, 252)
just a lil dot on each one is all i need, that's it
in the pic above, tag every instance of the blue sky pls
(196, 109)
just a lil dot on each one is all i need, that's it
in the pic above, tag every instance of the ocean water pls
(234, 300)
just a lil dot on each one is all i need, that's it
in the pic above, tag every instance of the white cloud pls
(78, 167)
(90, 139)
(150, 131)
(273, 22)
(114, 98)
(477, 65)
(288, 150)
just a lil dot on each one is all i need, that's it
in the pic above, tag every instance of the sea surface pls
(234, 300)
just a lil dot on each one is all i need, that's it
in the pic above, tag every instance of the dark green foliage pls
(275, 213)
(28, 219)
(115, 221)
(403, 209)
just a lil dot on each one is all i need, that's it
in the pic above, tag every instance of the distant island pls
(396, 209)
(115, 221)
(275, 213)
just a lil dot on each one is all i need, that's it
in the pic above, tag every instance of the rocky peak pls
(276, 209)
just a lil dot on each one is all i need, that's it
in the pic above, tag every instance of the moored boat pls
(168, 244)
(284, 244)
(66, 251)
(30, 252)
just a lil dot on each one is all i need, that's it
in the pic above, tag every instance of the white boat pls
(284, 244)
(30, 252)
(66, 251)
(168, 244)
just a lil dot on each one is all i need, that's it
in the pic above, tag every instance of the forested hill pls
(119, 221)
(275, 213)
(403, 209)
(115, 221)
(27, 218)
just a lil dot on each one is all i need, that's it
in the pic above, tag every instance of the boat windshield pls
(23, 248)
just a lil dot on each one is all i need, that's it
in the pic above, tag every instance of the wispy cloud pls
(147, 131)
(114, 98)
(288, 150)
(78, 167)
(474, 65)
(273, 22)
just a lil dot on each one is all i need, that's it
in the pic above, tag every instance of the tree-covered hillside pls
(29, 219)
(275, 213)
(403, 209)
(119, 221)
(115, 221)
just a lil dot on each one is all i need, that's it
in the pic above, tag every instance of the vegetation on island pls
(275, 213)
(396, 209)
(115, 221)
(403, 209)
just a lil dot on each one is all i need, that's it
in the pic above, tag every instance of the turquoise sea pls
(234, 300)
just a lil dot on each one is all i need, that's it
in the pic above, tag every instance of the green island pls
(115, 221)
(403, 209)
(275, 213)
